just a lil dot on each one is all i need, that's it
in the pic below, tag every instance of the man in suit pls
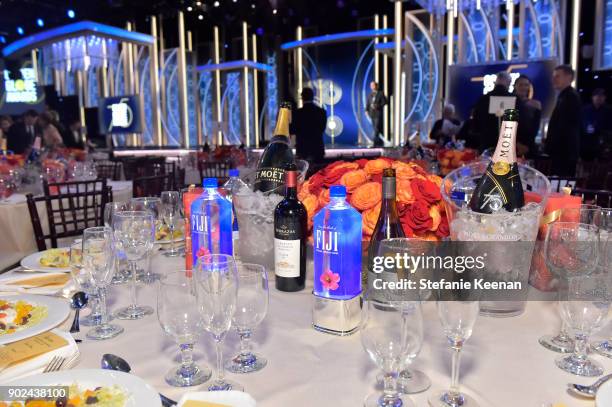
(563, 136)
(374, 108)
(308, 124)
(21, 135)
(486, 125)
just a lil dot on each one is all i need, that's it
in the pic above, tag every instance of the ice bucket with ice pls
(508, 261)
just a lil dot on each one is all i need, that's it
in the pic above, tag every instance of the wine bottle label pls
(270, 174)
(505, 151)
(287, 257)
(501, 168)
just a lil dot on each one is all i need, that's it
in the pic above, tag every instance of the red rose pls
(443, 230)
(362, 162)
(417, 217)
(315, 183)
(425, 190)
(376, 178)
(333, 177)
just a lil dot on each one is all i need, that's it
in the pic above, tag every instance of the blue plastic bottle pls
(211, 222)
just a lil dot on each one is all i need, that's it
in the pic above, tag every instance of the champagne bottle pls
(500, 186)
(290, 229)
(270, 173)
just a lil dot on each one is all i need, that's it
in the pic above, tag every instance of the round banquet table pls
(17, 233)
(502, 364)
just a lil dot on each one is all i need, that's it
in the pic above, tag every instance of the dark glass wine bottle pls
(500, 187)
(290, 229)
(388, 225)
(270, 173)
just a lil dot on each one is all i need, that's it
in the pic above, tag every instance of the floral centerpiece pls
(450, 159)
(419, 202)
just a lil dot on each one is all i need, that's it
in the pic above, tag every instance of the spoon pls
(588, 391)
(114, 362)
(78, 301)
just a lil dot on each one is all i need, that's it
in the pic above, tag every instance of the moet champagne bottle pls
(500, 187)
(270, 175)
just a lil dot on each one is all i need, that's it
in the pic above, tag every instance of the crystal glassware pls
(178, 300)
(251, 309)
(217, 278)
(584, 309)
(458, 319)
(98, 263)
(170, 213)
(134, 235)
(570, 249)
(83, 282)
(389, 334)
(152, 205)
(121, 275)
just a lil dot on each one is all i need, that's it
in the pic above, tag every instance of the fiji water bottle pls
(229, 187)
(210, 222)
(337, 265)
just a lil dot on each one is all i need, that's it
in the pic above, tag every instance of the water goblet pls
(178, 299)
(121, 275)
(458, 319)
(217, 278)
(83, 282)
(170, 212)
(99, 265)
(251, 309)
(389, 334)
(134, 235)
(152, 205)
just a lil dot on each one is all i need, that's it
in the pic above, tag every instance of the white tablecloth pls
(17, 235)
(502, 365)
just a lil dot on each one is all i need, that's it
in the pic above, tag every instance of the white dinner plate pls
(57, 312)
(140, 394)
(32, 262)
(604, 395)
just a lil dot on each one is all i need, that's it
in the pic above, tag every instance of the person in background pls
(51, 136)
(447, 127)
(308, 124)
(596, 126)
(563, 136)
(374, 109)
(71, 136)
(21, 135)
(530, 113)
(487, 125)
(5, 124)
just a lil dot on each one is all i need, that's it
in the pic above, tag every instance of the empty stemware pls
(170, 214)
(122, 275)
(154, 206)
(83, 282)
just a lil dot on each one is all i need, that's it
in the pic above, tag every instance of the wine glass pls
(217, 278)
(389, 333)
(586, 214)
(83, 282)
(584, 309)
(458, 319)
(134, 235)
(153, 205)
(121, 275)
(178, 299)
(98, 264)
(251, 309)
(170, 213)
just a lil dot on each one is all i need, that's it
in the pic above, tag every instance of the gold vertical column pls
(103, 73)
(385, 85)
(128, 77)
(376, 41)
(245, 85)
(397, 73)
(521, 41)
(80, 83)
(57, 81)
(510, 29)
(182, 80)
(156, 126)
(37, 76)
(255, 94)
(299, 62)
(196, 89)
(574, 39)
(450, 48)
(162, 80)
(218, 87)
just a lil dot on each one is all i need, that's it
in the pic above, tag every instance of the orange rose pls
(323, 197)
(377, 166)
(353, 179)
(405, 170)
(303, 192)
(369, 219)
(436, 217)
(435, 179)
(366, 196)
(404, 191)
(311, 202)
(429, 236)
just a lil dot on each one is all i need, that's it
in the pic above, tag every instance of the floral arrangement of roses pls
(451, 159)
(419, 202)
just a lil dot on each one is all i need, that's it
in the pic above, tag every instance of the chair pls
(152, 185)
(602, 198)
(214, 169)
(107, 169)
(71, 208)
(142, 166)
(558, 183)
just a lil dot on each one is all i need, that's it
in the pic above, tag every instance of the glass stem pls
(581, 345)
(102, 299)
(186, 357)
(219, 348)
(456, 361)
(389, 382)
(563, 335)
(133, 266)
(171, 227)
(245, 342)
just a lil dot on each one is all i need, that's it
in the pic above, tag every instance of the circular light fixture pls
(274, 11)
(71, 13)
(253, 5)
(216, 4)
(200, 17)
(189, 8)
(198, 3)
(20, 30)
(40, 22)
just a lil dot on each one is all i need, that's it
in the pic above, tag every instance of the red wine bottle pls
(270, 175)
(500, 187)
(290, 229)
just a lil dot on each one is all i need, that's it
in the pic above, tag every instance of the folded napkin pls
(217, 399)
(35, 283)
(13, 199)
(37, 364)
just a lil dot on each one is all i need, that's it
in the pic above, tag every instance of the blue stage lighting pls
(259, 31)
(20, 30)
(71, 13)
(40, 22)
(2, 39)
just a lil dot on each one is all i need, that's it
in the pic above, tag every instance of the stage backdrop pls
(469, 82)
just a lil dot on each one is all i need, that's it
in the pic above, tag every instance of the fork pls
(55, 364)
